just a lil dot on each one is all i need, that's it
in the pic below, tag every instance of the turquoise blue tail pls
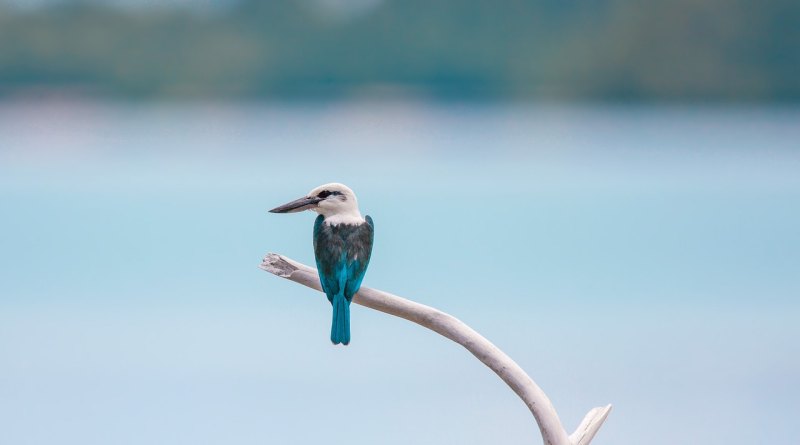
(340, 329)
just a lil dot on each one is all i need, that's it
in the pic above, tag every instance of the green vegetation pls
(744, 50)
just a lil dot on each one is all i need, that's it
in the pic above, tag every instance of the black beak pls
(298, 205)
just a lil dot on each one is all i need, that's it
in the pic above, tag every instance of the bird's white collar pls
(351, 218)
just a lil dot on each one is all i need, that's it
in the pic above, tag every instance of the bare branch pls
(553, 433)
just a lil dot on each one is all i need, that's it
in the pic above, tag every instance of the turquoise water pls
(645, 257)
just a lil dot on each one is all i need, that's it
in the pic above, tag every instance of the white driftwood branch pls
(553, 432)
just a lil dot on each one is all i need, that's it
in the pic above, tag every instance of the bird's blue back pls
(342, 253)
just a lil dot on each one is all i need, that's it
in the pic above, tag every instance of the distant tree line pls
(605, 50)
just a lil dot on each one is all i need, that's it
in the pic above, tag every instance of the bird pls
(342, 248)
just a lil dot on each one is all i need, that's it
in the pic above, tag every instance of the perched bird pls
(342, 248)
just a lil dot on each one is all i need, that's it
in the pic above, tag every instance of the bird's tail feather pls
(340, 329)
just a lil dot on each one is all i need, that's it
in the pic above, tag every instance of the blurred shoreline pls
(602, 51)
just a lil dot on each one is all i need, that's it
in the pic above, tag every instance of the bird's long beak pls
(298, 205)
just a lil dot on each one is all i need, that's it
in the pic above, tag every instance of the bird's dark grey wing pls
(328, 249)
(359, 250)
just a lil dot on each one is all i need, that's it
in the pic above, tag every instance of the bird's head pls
(332, 199)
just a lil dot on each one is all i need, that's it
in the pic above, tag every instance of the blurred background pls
(607, 190)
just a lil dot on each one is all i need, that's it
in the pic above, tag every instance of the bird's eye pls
(323, 194)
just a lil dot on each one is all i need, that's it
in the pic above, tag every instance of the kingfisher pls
(342, 248)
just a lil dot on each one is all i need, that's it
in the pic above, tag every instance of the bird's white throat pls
(351, 217)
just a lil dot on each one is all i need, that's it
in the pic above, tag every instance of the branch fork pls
(553, 432)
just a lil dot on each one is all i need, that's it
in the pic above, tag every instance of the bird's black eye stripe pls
(325, 193)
